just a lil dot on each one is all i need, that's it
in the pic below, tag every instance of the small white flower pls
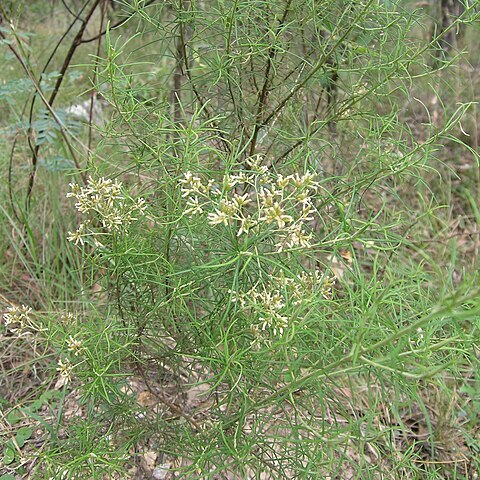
(141, 205)
(307, 180)
(296, 237)
(276, 213)
(77, 237)
(67, 317)
(282, 182)
(17, 319)
(101, 200)
(192, 185)
(241, 200)
(193, 207)
(228, 207)
(246, 224)
(255, 163)
(218, 217)
(242, 178)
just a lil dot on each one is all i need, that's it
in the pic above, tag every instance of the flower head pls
(102, 201)
(252, 199)
(218, 217)
(65, 369)
(74, 345)
(17, 319)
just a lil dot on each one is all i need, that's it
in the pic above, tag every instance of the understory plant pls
(248, 222)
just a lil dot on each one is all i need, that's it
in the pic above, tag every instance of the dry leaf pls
(148, 460)
(197, 394)
(347, 256)
(146, 399)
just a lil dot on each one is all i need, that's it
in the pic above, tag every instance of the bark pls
(450, 10)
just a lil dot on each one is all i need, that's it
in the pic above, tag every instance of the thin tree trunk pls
(450, 10)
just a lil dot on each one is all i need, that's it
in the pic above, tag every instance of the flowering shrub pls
(269, 214)
(281, 289)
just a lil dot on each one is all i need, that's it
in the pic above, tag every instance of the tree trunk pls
(450, 10)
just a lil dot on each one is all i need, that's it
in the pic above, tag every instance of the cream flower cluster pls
(255, 197)
(65, 369)
(74, 345)
(65, 366)
(102, 204)
(267, 303)
(307, 285)
(18, 320)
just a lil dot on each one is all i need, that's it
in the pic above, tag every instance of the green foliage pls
(245, 277)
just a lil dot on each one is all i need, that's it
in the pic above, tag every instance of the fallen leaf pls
(148, 460)
(146, 399)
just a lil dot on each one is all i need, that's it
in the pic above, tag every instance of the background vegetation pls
(239, 239)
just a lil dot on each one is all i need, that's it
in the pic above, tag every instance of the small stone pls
(160, 472)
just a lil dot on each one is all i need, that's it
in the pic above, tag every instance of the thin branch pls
(10, 174)
(116, 25)
(68, 9)
(182, 56)
(66, 63)
(237, 107)
(33, 148)
(317, 67)
(95, 74)
(171, 406)
(263, 94)
(354, 100)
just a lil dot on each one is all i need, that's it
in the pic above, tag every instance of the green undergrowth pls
(259, 260)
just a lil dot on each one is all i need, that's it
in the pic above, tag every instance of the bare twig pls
(10, 175)
(171, 406)
(263, 94)
(66, 63)
(325, 58)
(182, 58)
(33, 148)
(116, 25)
(95, 74)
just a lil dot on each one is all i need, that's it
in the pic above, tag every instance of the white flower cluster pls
(65, 366)
(256, 197)
(67, 318)
(65, 369)
(74, 345)
(268, 302)
(103, 204)
(268, 305)
(18, 321)
(307, 285)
